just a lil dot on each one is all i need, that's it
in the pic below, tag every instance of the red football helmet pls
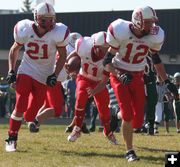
(44, 16)
(144, 18)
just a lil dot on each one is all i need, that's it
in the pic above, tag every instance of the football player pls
(92, 76)
(54, 101)
(41, 38)
(130, 42)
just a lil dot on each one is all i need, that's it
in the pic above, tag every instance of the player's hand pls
(125, 78)
(172, 88)
(51, 80)
(11, 77)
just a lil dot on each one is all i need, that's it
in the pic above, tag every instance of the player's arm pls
(61, 60)
(12, 59)
(61, 38)
(108, 61)
(100, 86)
(159, 66)
(62, 54)
(125, 78)
(13, 55)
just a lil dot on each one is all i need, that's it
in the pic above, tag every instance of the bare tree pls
(27, 6)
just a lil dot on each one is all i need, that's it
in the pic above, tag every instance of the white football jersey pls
(90, 69)
(40, 51)
(132, 50)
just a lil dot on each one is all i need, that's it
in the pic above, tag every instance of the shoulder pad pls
(120, 27)
(61, 34)
(117, 31)
(158, 37)
(21, 30)
(157, 40)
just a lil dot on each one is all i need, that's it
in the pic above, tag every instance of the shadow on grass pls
(91, 154)
(153, 160)
(147, 159)
(150, 159)
(156, 149)
(156, 135)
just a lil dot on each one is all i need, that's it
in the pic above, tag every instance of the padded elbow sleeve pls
(156, 59)
(108, 58)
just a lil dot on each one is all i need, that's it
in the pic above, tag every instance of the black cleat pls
(92, 129)
(84, 129)
(150, 131)
(33, 127)
(131, 156)
(143, 130)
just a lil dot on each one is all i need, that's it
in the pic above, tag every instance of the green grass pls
(50, 148)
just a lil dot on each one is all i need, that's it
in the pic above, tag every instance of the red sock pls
(14, 127)
(79, 117)
(106, 124)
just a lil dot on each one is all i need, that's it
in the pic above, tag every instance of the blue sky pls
(97, 5)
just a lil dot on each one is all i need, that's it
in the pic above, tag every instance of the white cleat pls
(76, 133)
(10, 145)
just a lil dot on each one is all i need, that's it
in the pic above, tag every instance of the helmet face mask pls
(144, 18)
(44, 16)
(47, 23)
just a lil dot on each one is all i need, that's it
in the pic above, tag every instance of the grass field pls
(50, 148)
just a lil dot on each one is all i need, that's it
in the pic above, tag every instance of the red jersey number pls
(34, 51)
(142, 51)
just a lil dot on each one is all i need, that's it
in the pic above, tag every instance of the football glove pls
(51, 80)
(124, 78)
(11, 77)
